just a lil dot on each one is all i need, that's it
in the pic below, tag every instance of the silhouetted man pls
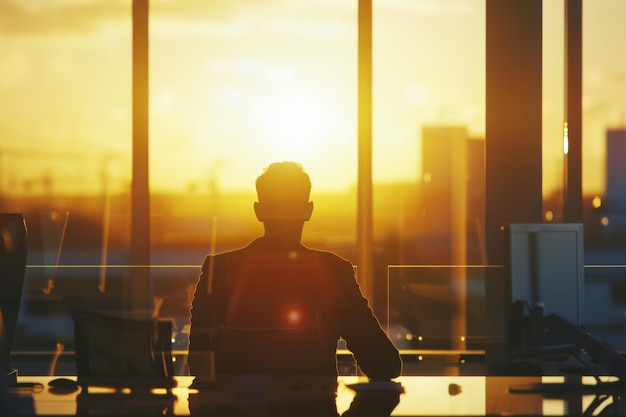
(300, 300)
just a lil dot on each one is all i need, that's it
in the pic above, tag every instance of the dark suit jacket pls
(273, 270)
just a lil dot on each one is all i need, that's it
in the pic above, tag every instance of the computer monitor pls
(545, 263)
(542, 263)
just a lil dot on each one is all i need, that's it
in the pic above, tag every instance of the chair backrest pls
(274, 336)
(13, 253)
(122, 352)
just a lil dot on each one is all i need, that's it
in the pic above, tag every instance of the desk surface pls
(422, 395)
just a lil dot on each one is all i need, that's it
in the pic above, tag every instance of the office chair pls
(13, 252)
(271, 352)
(271, 336)
(122, 352)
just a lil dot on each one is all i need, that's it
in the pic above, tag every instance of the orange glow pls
(294, 316)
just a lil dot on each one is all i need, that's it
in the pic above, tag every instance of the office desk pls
(422, 395)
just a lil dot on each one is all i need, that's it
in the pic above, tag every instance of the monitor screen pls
(545, 263)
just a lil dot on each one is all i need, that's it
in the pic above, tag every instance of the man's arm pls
(201, 331)
(375, 354)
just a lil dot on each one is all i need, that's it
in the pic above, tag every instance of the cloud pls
(179, 28)
(16, 69)
(40, 17)
(326, 19)
(254, 67)
(312, 28)
(426, 7)
(46, 16)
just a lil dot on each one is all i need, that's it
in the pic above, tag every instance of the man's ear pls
(259, 211)
(309, 211)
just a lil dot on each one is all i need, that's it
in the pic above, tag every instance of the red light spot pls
(294, 316)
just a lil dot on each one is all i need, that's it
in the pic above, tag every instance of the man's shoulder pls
(329, 257)
(325, 254)
(225, 256)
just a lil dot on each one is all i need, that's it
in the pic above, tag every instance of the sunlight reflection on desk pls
(423, 395)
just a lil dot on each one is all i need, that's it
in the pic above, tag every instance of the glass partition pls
(44, 342)
(437, 308)
(605, 304)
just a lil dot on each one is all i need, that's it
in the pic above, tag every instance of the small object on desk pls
(454, 389)
(26, 387)
(62, 386)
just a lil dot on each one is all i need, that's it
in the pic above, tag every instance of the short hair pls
(283, 183)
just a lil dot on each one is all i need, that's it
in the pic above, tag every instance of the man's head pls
(283, 191)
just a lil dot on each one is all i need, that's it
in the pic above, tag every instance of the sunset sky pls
(237, 84)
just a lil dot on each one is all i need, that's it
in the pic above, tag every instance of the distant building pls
(616, 170)
(476, 252)
(444, 172)
(615, 197)
(453, 192)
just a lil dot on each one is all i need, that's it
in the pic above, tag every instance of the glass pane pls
(604, 153)
(65, 124)
(428, 161)
(234, 88)
(44, 342)
(429, 123)
(430, 311)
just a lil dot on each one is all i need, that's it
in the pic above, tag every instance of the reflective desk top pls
(420, 395)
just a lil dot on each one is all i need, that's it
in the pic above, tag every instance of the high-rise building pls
(453, 191)
(615, 192)
(444, 172)
(615, 198)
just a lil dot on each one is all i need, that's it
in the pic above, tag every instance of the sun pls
(293, 123)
